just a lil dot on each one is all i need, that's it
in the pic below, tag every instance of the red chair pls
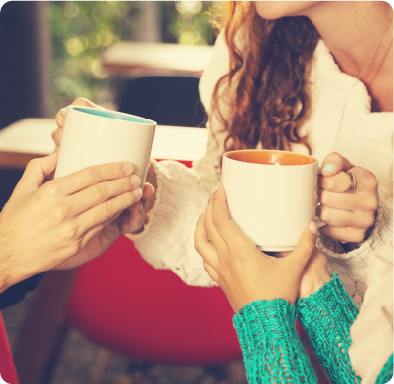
(121, 302)
(7, 368)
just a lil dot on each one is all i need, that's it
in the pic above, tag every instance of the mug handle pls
(319, 223)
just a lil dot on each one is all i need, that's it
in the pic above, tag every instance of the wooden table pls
(31, 138)
(137, 59)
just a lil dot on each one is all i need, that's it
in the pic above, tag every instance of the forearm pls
(270, 344)
(13, 285)
(327, 316)
(9, 274)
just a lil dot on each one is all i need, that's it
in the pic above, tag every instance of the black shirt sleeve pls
(16, 293)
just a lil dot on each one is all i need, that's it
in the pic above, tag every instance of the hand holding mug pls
(244, 272)
(347, 215)
(45, 224)
(132, 220)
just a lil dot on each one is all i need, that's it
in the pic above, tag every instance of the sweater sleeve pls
(352, 267)
(272, 351)
(167, 241)
(327, 316)
(372, 332)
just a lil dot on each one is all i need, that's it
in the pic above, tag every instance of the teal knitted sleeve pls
(272, 350)
(386, 373)
(327, 316)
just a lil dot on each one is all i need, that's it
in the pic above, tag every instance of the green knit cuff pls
(327, 316)
(270, 344)
(386, 374)
(268, 320)
(333, 298)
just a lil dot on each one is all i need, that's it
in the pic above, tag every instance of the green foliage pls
(82, 30)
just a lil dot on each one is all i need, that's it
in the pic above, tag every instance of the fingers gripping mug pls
(94, 136)
(271, 195)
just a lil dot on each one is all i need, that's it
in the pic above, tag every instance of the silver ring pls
(352, 182)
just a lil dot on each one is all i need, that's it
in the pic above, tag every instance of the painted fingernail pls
(127, 168)
(215, 189)
(202, 211)
(329, 167)
(135, 181)
(137, 193)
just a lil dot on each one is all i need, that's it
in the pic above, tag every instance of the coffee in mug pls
(271, 195)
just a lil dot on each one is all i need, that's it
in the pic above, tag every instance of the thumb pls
(36, 171)
(305, 246)
(334, 163)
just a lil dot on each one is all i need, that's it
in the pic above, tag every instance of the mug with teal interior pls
(93, 136)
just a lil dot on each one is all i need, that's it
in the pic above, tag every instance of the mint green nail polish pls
(64, 109)
(329, 167)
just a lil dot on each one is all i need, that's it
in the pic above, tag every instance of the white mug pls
(94, 136)
(271, 195)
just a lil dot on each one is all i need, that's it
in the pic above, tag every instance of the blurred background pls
(54, 49)
(143, 58)
(81, 31)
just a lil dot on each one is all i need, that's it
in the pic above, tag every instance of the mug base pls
(276, 249)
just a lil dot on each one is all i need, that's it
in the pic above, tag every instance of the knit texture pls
(340, 108)
(327, 316)
(386, 373)
(272, 350)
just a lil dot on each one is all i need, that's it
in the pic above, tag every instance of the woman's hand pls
(132, 220)
(315, 275)
(61, 115)
(43, 225)
(347, 215)
(244, 272)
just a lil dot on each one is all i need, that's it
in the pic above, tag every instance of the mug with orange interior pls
(271, 195)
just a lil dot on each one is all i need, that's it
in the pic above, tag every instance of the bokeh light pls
(74, 46)
(189, 7)
(94, 39)
(71, 9)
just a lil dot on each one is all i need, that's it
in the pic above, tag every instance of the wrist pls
(7, 278)
(318, 281)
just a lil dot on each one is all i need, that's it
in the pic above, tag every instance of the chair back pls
(166, 100)
(121, 302)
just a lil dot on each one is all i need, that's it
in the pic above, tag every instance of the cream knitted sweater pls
(340, 107)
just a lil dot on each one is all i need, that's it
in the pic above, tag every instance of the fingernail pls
(214, 189)
(135, 181)
(127, 168)
(202, 211)
(64, 110)
(313, 227)
(329, 167)
(137, 193)
(140, 208)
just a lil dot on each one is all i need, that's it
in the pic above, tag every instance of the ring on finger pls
(352, 182)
